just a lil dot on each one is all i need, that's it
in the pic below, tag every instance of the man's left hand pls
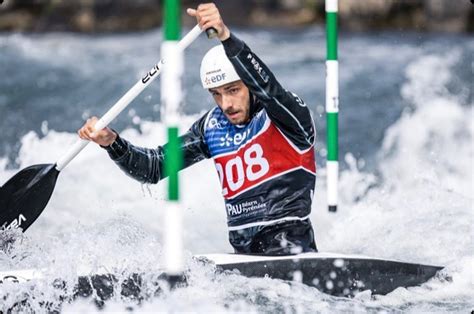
(207, 16)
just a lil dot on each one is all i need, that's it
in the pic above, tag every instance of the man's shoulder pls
(222, 137)
(215, 120)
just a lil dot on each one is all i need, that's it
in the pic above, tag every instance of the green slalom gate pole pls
(171, 97)
(332, 104)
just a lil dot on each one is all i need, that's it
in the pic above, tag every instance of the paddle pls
(24, 197)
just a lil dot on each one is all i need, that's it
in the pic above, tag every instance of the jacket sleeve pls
(285, 109)
(146, 164)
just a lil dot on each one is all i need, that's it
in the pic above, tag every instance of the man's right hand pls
(104, 137)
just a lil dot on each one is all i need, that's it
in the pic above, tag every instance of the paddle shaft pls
(127, 99)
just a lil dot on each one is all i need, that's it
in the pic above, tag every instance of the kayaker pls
(261, 138)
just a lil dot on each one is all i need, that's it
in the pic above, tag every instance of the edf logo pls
(215, 78)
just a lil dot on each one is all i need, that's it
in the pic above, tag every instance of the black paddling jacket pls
(266, 167)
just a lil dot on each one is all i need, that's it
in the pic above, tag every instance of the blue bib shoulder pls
(223, 137)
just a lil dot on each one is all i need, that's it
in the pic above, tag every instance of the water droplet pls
(329, 285)
(297, 276)
(44, 127)
(339, 263)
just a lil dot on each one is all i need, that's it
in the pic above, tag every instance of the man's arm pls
(146, 164)
(286, 109)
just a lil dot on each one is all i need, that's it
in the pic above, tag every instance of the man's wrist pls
(113, 139)
(118, 148)
(225, 34)
(232, 46)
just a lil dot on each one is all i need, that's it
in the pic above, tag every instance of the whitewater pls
(406, 183)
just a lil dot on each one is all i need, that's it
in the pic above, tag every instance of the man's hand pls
(104, 137)
(207, 16)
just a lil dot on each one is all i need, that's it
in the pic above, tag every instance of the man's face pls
(234, 100)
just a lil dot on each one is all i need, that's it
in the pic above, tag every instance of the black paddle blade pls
(25, 195)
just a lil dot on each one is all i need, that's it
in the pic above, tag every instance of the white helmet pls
(216, 69)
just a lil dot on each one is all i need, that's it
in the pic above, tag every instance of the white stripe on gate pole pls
(332, 104)
(171, 99)
(171, 96)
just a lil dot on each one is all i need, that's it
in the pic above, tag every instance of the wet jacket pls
(266, 167)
